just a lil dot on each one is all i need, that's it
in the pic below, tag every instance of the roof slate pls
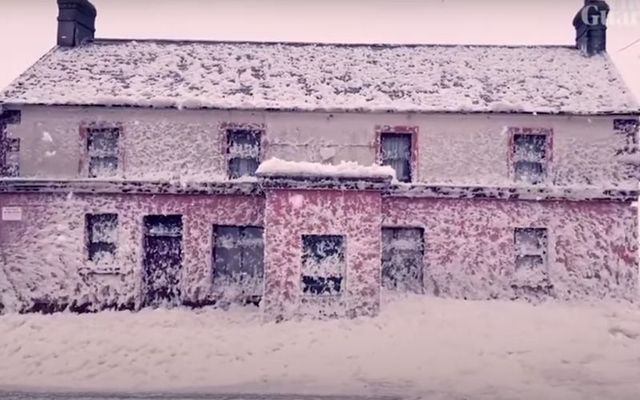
(327, 77)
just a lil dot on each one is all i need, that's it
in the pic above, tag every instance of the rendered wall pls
(43, 254)
(291, 213)
(452, 149)
(469, 246)
(469, 249)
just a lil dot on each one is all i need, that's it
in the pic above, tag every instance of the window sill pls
(100, 271)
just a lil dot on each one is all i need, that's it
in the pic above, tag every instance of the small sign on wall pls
(12, 213)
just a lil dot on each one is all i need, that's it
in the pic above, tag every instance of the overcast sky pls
(28, 27)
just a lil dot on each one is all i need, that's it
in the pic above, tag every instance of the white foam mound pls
(345, 169)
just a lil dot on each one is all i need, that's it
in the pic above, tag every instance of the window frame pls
(226, 128)
(342, 276)
(84, 167)
(89, 240)
(412, 131)
(548, 148)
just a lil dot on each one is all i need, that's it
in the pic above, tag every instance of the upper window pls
(395, 151)
(530, 157)
(627, 129)
(238, 259)
(530, 248)
(103, 151)
(9, 154)
(402, 259)
(243, 152)
(323, 265)
(102, 236)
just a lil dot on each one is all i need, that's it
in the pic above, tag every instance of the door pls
(162, 259)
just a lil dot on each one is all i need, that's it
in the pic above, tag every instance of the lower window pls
(402, 259)
(238, 259)
(102, 236)
(323, 265)
(531, 248)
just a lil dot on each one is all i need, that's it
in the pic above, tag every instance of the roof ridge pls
(334, 44)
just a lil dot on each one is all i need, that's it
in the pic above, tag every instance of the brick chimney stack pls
(591, 27)
(76, 22)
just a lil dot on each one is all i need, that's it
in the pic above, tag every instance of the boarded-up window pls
(530, 158)
(531, 248)
(103, 151)
(395, 151)
(102, 236)
(243, 152)
(402, 259)
(323, 265)
(238, 259)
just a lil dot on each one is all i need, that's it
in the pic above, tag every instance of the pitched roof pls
(296, 76)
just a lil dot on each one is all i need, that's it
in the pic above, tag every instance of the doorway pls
(162, 259)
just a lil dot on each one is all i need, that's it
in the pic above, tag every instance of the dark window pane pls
(315, 285)
(530, 147)
(530, 158)
(9, 155)
(396, 152)
(243, 151)
(103, 167)
(10, 170)
(239, 167)
(318, 248)
(13, 145)
(323, 260)
(103, 142)
(101, 251)
(102, 227)
(163, 225)
(102, 235)
(529, 171)
(530, 240)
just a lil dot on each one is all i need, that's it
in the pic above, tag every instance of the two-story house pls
(147, 172)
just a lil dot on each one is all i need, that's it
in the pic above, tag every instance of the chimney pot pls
(76, 22)
(591, 27)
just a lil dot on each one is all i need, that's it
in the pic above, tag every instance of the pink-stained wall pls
(45, 255)
(469, 246)
(470, 252)
(289, 214)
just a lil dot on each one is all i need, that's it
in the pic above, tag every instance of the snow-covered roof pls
(330, 77)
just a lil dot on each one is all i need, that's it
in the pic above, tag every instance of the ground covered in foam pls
(418, 347)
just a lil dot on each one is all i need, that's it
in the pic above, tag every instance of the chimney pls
(76, 22)
(591, 27)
